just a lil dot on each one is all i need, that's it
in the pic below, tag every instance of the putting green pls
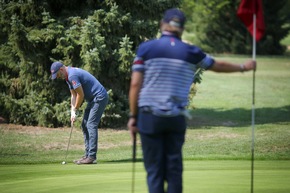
(235, 176)
(199, 176)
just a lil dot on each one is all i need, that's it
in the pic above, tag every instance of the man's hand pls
(250, 65)
(73, 114)
(132, 126)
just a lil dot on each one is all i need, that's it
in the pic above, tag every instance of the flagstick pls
(253, 105)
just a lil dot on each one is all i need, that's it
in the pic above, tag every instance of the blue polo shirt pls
(168, 65)
(93, 89)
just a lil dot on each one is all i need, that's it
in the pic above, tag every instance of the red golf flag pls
(246, 11)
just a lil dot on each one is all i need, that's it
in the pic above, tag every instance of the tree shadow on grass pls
(238, 117)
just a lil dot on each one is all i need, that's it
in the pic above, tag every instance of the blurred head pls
(173, 21)
(174, 17)
(54, 69)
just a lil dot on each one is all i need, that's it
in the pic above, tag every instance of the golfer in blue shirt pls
(162, 73)
(84, 86)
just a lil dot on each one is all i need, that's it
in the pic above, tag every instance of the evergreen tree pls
(100, 36)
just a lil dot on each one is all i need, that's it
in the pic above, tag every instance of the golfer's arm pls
(135, 87)
(223, 66)
(73, 98)
(77, 97)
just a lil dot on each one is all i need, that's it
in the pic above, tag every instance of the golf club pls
(133, 164)
(71, 128)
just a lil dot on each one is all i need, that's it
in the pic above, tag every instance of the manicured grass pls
(234, 176)
(223, 110)
(68, 178)
(199, 176)
(216, 139)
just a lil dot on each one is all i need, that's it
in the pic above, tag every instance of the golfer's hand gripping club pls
(73, 114)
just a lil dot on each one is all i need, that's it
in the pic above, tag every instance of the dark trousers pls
(162, 139)
(92, 117)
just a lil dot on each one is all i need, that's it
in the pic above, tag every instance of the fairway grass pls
(199, 176)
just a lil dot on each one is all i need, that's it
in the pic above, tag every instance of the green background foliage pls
(217, 29)
(98, 36)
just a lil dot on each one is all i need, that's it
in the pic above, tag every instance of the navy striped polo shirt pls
(168, 65)
(93, 89)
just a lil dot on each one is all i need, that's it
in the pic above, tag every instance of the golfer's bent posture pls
(162, 73)
(84, 86)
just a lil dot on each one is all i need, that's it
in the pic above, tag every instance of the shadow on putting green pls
(238, 117)
(123, 161)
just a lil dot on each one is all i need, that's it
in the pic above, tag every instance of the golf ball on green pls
(63, 163)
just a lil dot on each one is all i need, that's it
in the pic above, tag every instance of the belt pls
(148, 109)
